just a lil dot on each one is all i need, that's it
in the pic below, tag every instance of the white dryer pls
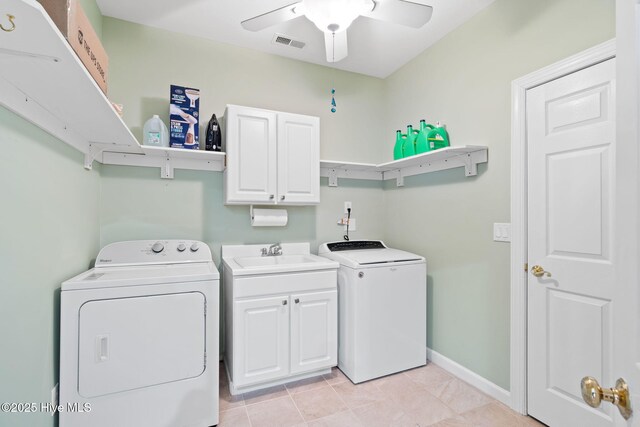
(139, 338)
(382, 308)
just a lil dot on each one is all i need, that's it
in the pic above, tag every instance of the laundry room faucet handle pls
(275, 249)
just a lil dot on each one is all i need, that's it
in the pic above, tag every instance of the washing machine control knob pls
(157, 247)
(194, 247)
(181, 247)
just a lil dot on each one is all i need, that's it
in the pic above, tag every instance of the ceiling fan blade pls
(268, 19)
(336, 45)
(401, 12)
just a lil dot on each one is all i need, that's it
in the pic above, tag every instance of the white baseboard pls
(470, 377)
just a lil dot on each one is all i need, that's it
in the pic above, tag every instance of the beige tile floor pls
(426, 396)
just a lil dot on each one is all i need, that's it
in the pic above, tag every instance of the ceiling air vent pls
(287, 41)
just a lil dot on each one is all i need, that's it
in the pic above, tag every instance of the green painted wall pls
(144, 62)
(50, 232)
(92, 11)
(136, 203)
(464, 80)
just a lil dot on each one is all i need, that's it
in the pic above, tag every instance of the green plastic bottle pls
(397, 149)
(438, 137)
(422, 143)
(408, 148)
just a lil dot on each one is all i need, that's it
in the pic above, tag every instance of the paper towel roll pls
(269, 217)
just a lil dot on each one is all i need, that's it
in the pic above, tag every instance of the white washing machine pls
(139, 338)
(382, 308)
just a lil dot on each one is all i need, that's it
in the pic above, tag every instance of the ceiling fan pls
(333, 17)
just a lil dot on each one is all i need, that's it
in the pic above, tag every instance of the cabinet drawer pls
(284, 283)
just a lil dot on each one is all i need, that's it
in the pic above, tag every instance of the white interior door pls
(626, 315)
(571, 135)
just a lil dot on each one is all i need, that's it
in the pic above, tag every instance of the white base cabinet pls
(272, 157)
(314, 325)
(262, 345)
(279, 327)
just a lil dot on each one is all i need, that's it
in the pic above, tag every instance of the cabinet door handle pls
(297, 300)
(281, 197)
(271, 196)
(284, 302)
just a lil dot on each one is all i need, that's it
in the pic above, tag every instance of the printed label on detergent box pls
(184, 116)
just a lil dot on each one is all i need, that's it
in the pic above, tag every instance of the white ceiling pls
(376, 48)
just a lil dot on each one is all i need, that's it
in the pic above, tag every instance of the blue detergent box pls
(184, 117)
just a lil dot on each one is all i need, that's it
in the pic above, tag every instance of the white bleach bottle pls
(155, 132)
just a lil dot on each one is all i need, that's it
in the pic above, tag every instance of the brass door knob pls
(538, 271)
(593, 395)
(13, 24)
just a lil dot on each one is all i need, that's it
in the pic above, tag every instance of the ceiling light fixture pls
(332, 16)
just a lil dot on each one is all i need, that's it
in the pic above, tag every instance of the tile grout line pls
(343, 401)
(247, 413)
(295, 405)
(454, 378)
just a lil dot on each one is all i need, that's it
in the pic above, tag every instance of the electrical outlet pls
(54, 398)
(501, 232)
(352, 224)
(347, 205)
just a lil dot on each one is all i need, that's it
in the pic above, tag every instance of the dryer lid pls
(158, 274)
(365, 252)
(379, 256)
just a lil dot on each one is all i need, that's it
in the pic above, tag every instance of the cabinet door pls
(314, 331)
(298, 159)
(250, 176)
(261, 339)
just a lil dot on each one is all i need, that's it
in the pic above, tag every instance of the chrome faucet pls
(275, 250)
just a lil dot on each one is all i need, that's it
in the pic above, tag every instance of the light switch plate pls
(501, 232)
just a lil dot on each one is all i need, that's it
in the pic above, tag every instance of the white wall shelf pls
(168, 159)
(43, 80)
(468, 156)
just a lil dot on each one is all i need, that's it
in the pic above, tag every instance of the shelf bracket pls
(400, 179)
(333, 178)
(95, 150)
(470, 165)
(166, 171)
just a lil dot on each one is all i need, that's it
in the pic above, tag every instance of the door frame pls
(519, 224)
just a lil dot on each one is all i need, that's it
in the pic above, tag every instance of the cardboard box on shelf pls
(184, 117)
(76, 28)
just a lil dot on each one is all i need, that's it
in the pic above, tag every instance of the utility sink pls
(282, 260)
(245, 260)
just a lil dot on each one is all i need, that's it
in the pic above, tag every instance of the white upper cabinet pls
(298, 159)
(272, 157)
(250, 176)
